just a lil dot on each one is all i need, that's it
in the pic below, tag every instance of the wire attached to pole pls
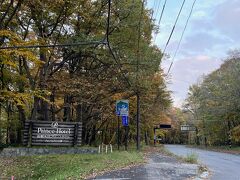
(107, 42)
(185, 27)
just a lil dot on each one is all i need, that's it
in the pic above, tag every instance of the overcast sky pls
(213, 31)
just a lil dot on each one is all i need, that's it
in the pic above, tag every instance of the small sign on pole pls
(125, 120)
(122, 107)
(188, 128)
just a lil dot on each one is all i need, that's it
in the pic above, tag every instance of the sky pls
(212, 32)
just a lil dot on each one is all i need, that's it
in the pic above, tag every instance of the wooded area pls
(213, 104)
(78, 82)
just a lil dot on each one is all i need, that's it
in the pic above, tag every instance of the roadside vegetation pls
(211, 110)
(78, 166)
(79, 83)
(213, 105)
(225, 149)
(191, 158)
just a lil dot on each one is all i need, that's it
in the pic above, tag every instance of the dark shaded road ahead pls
(222, 165)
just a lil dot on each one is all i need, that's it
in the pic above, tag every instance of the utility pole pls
(137, 77)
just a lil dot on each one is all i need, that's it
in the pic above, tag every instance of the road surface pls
(223, 166)
(158, 167)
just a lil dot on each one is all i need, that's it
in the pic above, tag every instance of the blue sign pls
(125, 120)
(122, 107)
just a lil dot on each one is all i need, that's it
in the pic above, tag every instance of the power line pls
(174, 26)
(109, 45)
(139, 37)
(185, 27)
(160, 18)
(154, 6)
(157, 8)
(55, 45)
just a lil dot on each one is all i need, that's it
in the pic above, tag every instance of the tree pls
(82, 83)
(215, 102)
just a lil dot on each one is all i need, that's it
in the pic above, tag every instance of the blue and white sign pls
(125, 120)
(122, 107)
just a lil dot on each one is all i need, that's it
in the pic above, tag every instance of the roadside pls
(223, 149)
(150, 163)
(221, 165)
(66, 166)
(160, 165)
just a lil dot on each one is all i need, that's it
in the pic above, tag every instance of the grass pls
(191, 158)
(77, 166)
(226, 149)
(233, 148)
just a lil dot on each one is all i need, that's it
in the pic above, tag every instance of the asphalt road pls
(223, 166)
(158, 167)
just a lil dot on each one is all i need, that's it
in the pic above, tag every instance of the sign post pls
(125, 124)
(122, 109)
(118, 133)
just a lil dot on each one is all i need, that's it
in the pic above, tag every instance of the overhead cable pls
(157, 8)
(160, 18)
(109, 45)
(178, 46)
(55, 45)
(174, 26)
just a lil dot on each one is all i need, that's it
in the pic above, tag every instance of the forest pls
(63, 60)
(213, 104)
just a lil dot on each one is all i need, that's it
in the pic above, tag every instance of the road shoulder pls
(159, 165)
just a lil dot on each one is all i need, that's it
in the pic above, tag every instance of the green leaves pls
(215, 101)
(82, 80)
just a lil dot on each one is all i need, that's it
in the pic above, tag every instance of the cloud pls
(222, 19)
(202, 42)
(212, 31)
(226, 18)
(186, 72)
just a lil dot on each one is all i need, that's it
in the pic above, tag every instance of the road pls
(158, 167)
(223, 166)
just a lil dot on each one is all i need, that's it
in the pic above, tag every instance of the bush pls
(191, 158)
(236, 134)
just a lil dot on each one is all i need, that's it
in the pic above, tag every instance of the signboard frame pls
(122, 107)
(186, 128)
(52, 133)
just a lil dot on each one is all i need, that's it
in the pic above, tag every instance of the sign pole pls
(154, 130)
(118, 132)
(138, 122)
(126, 138)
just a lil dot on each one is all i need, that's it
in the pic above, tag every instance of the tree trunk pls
(146, 138)
(67, 108)
(52, 99)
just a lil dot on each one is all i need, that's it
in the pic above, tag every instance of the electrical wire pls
(109, 45)
(139, 37)
(174, 26)
(157, 8)
(152, 12)
(55, 45)
(160, 18)
(164, 5)
(178, 46)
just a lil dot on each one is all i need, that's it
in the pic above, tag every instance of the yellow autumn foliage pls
(236, 134)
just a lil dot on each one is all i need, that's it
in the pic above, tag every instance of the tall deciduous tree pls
(215, 102)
